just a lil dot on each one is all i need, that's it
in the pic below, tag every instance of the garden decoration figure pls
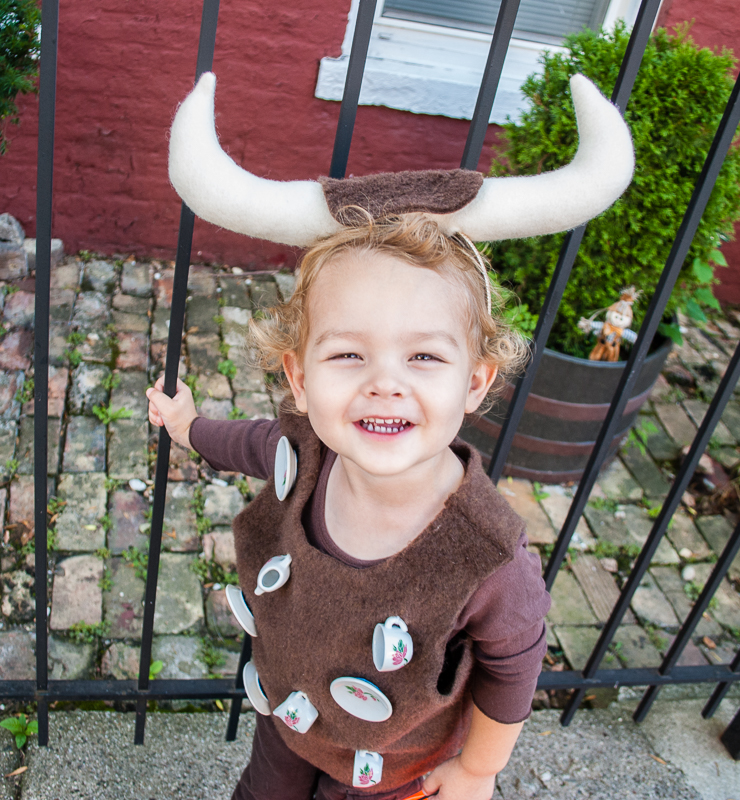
(615, 327)
(390, 516)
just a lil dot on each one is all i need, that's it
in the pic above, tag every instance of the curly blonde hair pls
(418, 241)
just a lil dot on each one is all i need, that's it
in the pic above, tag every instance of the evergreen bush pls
(19, 51)
(676, 105)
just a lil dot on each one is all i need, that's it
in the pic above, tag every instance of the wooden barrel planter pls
(564, 412)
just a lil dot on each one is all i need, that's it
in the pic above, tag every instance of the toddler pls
(399, 634)
(386, 345)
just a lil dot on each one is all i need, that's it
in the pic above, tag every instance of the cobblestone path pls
(108, 340)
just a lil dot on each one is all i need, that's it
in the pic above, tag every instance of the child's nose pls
(385, 383)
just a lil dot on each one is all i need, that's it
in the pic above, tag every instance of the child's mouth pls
(379, 425)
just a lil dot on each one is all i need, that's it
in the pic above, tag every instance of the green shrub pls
(676, 105)
(19, 51)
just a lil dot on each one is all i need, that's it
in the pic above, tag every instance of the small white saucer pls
(361, 699)
(240, 609)
(286, 468)
(254, 690)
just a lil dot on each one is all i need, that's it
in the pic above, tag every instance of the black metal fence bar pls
(44, 183)
(620, 95)
(718, 695)
(681, 482)
(702, 191)
(692, 620)
(489, 83)
(697, 204)
(206, 47)
(223, 688)
(352, 86)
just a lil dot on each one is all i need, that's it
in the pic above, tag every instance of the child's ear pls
(480, 382)
(296, 378)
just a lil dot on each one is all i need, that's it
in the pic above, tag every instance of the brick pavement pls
(108, 339)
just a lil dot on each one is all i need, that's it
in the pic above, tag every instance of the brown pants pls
(275, 772)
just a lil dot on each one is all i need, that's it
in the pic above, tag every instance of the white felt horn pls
(512, 208)
(221, 192)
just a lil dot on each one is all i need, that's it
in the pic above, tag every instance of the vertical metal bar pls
(489, 83)
(44, 189)
(697, 204)
(569, 251)
(683, 637)
(352, 86)
(718, 695)
(206, 47)
(731, 737)
(236, 703)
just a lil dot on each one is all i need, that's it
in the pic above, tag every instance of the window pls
(427, 56)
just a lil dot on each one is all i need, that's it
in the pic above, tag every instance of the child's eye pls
(345, 356)
(424, 357)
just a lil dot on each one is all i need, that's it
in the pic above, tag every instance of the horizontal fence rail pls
(141, 691)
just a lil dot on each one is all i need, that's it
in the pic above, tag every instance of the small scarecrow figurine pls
(616, 327)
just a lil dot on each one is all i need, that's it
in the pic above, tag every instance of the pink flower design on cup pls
(291, 718)
(366, 775)
(399, 653)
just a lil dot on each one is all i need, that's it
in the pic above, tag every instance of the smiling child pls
(396, 614)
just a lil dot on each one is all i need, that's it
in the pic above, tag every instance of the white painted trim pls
(429, 69)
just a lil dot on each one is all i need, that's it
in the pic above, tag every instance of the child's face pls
(387, 342)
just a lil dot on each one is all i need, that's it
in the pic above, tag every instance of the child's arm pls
(472, 774)
(175, 413)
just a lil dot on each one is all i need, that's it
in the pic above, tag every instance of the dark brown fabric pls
(275, 772)
(436, 191)
(319, 625)
(504, 616)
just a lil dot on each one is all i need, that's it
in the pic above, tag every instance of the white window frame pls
(430, 69)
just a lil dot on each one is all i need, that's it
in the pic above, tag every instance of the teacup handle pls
(396, 622)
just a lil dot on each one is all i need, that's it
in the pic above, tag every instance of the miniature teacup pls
(368, 768)
(297, 712)
(392, 645)
(274, 574)
(254, 690)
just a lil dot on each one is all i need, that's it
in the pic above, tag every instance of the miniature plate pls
(286, 468)
(253, 688)
(361, 699)
(240, 609)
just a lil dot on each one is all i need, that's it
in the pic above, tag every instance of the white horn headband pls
(296, 212)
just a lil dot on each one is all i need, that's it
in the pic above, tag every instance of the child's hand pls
(175, 413)
(453, 781)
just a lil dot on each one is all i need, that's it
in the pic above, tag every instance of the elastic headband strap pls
(481, 267)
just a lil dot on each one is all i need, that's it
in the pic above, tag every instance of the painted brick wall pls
(123, 67)
(716, 24)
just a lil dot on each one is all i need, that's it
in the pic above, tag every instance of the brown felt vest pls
(319, 625)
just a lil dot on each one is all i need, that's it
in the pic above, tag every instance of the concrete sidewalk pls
(602, 755)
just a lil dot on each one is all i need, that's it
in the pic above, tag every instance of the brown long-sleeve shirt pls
(504, 616)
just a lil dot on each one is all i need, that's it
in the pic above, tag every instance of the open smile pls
(383, 425)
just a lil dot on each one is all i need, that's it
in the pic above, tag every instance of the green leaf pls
(155, 669)
(15, 726)
(32, 727)
(717, 257)
(20, 740)
(693, 309)
(703, 272)
(672, 332)
(706, 297)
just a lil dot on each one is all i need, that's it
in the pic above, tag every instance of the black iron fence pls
(43, 691)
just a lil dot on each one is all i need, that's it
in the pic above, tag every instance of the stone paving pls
(108, 339)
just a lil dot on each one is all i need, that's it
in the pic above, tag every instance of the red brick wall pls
(123, 67)
(716, 24)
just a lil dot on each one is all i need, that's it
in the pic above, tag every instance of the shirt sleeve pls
(505, 619)
(245, 445)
